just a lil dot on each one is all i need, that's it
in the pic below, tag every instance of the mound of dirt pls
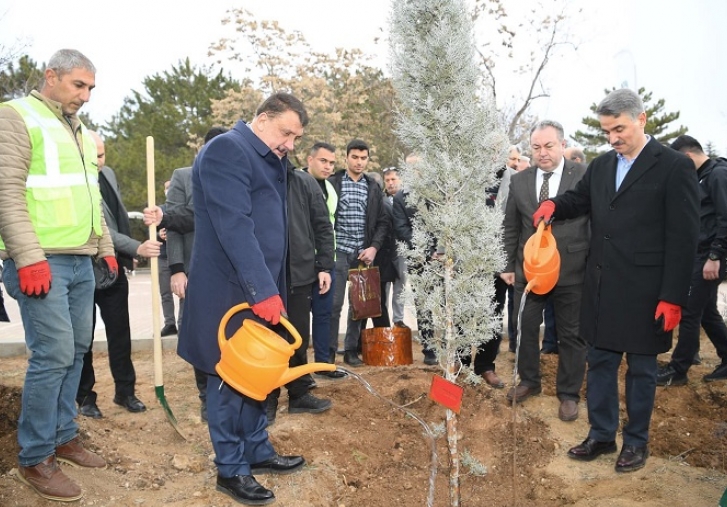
(364, 453)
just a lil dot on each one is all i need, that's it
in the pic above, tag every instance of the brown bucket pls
(386, 346)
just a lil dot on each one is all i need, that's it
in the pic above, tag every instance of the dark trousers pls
(321, 307)
(165, 290)
(602, 395)
(701, 309)
(299, 302)
(511, 318)
(237, 429)
(114, 306)
(550, 334)
(487, 352)
(572, 348)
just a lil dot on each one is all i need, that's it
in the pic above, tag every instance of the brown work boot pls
(73, 453)
(48, 480)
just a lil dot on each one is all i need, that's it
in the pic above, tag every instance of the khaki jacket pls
(16, 226)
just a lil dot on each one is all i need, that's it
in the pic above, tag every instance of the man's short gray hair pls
(623, 100)
(549, 123)
(65, 60)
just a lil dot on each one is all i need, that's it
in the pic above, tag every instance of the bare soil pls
(364, 453)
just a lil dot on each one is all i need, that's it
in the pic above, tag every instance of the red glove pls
(35, 279)
(112, 264)
(544, 212)
(269, 309)
(672, 314)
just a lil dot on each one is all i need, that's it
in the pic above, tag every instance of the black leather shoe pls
(169, 330)
(430, 358)
(590, 449)
(90, 409)
(245, 489)
(631, 458)
(308, 404)
(130, 403)
(668, 376)
(332, 374)
(278, 465)
(352, 359)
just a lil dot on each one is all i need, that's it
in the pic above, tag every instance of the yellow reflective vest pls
(63, 197)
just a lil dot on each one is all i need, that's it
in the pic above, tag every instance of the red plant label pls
(446, 393)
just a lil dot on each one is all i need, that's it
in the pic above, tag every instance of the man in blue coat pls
(239, 193)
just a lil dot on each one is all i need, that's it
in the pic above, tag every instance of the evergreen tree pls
(452, 126)
(658, 122)
(176, 109)
(17, 82)
(711, 150)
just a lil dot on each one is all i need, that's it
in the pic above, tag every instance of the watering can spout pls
(304, 369)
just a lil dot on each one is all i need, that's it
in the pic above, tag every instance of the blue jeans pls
(321, 306)
(58, 330)
(343, 264)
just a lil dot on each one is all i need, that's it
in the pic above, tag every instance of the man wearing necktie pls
(550, 175)
(643, 201)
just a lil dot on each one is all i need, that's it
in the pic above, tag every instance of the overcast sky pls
(674, 49)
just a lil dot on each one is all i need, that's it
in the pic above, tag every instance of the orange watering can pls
(541, 261)
(255, 360)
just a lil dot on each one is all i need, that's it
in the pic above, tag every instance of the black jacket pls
(713, 207)
(310, 233)
(403, 216)
(378, 221)
(387, 256)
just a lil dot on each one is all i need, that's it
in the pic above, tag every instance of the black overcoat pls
(643, 243)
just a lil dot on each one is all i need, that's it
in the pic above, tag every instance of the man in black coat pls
(309, 263)
(644, 204)
(708, 270)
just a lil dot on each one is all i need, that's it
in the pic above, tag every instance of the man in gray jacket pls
(113, 302)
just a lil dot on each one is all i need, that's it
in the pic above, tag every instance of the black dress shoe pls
(590, 449)
(352, 359)
(169, 330)
(332, 374)
(130, 403)
(631, 458)
(90, 409)
(245, 489)
(278, 465)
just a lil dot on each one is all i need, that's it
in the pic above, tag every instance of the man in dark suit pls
(239, 252)
(550, 175)
(113, 302)
(643, 201)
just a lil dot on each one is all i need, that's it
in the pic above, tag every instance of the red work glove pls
(269, 309)
(544, 212)
(35, 279)
(112, 264)
(671, 314)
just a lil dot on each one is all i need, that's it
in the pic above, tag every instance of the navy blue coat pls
(239, 194)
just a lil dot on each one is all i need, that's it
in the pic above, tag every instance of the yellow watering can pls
(541, 261)
(255, 360)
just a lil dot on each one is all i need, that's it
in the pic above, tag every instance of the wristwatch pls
(713, 256)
